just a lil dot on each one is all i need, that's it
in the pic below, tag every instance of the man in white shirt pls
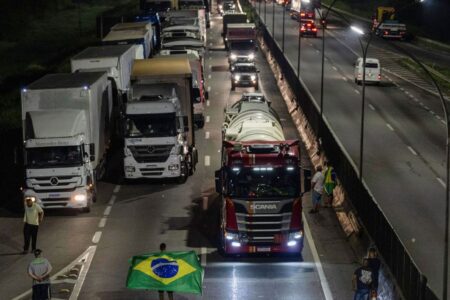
(39, 270)
(317, 189)
(32, 218)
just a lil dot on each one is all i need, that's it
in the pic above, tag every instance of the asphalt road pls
(134, 218)
(404, 137)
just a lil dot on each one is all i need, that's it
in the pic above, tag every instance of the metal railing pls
(411, 281)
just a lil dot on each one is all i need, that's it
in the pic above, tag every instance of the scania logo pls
(151, 149)
(263, 206)
(54, 181)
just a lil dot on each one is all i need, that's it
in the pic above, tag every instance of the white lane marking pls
(441, 181)
(412, 150)
(371, 107)
(356, 91)
(317, 51)
(207, 160)
(209, 89)
(312, 245)
(112, 200)
(206, 135)
(209, 76)
(210, 67)
(344, 78)
(203, 256)
(107, 211)
(443, 122)
(389, 126)
(102, 222)
(334, 68)
(415, 99)
(85, 257)
(83, 272)
(432, 112)
(116, 189)
(207, 119)
(402, 89)
(210, 58)
(426, 107)
(96, 237)
(207, 102)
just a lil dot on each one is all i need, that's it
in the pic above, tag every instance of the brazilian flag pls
(166, 271)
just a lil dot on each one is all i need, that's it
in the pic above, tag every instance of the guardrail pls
(411, 281)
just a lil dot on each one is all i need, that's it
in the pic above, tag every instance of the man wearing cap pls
(32, 218)
(39, 270)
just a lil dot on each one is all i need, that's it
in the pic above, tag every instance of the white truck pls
(142, 38)
(159, 126)
(117, 61)
(198, 80)
(66, 119)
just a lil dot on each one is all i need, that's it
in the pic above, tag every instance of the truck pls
(141, 25)
(116, 61)
(385, 24)
(259, 182)
(202, 6)
(240, 32)
(140, 37)
(65, 121)
(159, 124)
(185, 16)
(232, 19)
(198, 80)
(303, 10)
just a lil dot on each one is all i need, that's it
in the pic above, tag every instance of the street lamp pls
(282, 37)
(265, 11)
(273, 20)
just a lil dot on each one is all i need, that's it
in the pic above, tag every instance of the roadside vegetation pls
(38, 37)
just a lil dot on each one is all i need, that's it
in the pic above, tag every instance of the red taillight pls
(386, 32)
(314, 29)
(302, 15)
(309, 24)
(296, 218)
(231, 215)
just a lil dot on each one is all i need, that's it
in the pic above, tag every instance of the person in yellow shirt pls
(33, 216)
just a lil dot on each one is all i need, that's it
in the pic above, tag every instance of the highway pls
(132, 218)
(404, 138)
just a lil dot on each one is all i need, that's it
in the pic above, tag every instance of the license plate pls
(53, 195)
(263, 249)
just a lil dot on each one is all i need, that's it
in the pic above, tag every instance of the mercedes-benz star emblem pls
(151, 149)
(54, 181)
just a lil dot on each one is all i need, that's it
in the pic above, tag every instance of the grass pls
(46, 46)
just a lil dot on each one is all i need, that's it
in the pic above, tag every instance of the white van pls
(373, 71)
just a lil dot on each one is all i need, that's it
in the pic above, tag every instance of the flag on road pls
(167, 271)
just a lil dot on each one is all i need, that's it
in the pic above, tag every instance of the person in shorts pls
(317, 189)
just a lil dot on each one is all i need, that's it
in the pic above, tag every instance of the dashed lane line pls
(390, 127)
(207, 119)
(441, 181)
(371, 107)
(207, 103)
(206, 135)
(102, 222)
(116, 189)
(356, 91)
(344, 78)
(209, 76)
(334, 68)
(412, 150)
(209, 89)
(112, 200)
(107, 210)
(96, 237)
(207, 160)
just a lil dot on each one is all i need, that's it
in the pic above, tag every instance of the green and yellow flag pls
(167, 271)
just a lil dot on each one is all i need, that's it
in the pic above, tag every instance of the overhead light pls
(357, 29)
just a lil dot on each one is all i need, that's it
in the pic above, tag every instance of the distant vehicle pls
(386, 25)
(308, 27)
(244, 74)
(226, 6)
(373, 71)
(232, 18)
(200, 5)
(66, 122)
(142, 38)
(241, 51)
(301, 11)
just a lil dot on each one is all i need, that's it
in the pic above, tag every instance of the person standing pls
(362, 281)
(33, 216)
(317, 189)
(162, 248)
(39, 270)
(374, 264)
(329, 184)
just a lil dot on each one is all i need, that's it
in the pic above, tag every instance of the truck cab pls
(241, 51)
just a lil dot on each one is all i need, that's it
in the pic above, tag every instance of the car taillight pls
(386, 32)
(296, 217)
(308, 25)
(314, 29)
(231, 215)
(302, 15)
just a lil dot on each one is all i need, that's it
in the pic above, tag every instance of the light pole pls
(259, 14)
(273, 20)
(298, 52)
(282, 38)
(265, 11)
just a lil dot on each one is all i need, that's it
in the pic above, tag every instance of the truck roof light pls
(85, 87)
(24, 90)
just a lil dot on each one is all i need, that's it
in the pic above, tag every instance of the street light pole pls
(265, 11)
(282, 38)
(298, 52)
(273, 20)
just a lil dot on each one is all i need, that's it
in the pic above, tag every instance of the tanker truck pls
(259, 180)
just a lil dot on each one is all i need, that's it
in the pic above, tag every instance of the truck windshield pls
(49, 157)
(151, 125)
(242, 45)
(263, 182)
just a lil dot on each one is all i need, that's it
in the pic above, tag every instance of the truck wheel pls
(184, 173)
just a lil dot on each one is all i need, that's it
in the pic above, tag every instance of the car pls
(373, 71)
(243, 75)
(308, 27)
(241, 51)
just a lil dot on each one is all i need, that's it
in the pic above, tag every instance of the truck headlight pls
(253, 77)
(233, 56)
(173, 167)
(237, 77)
(130, 169)
(292, 243)
(295, 235)
(80, 198)
(251, 56)
(231, 236)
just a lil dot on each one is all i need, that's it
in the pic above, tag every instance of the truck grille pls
(149, 154)
(152, 171)
(55, 202)
(265, 227)
(57, 184)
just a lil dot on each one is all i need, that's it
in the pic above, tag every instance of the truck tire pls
(184, 173)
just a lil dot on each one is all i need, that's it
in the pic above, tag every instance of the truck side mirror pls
(306, 180)
(218, 181)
